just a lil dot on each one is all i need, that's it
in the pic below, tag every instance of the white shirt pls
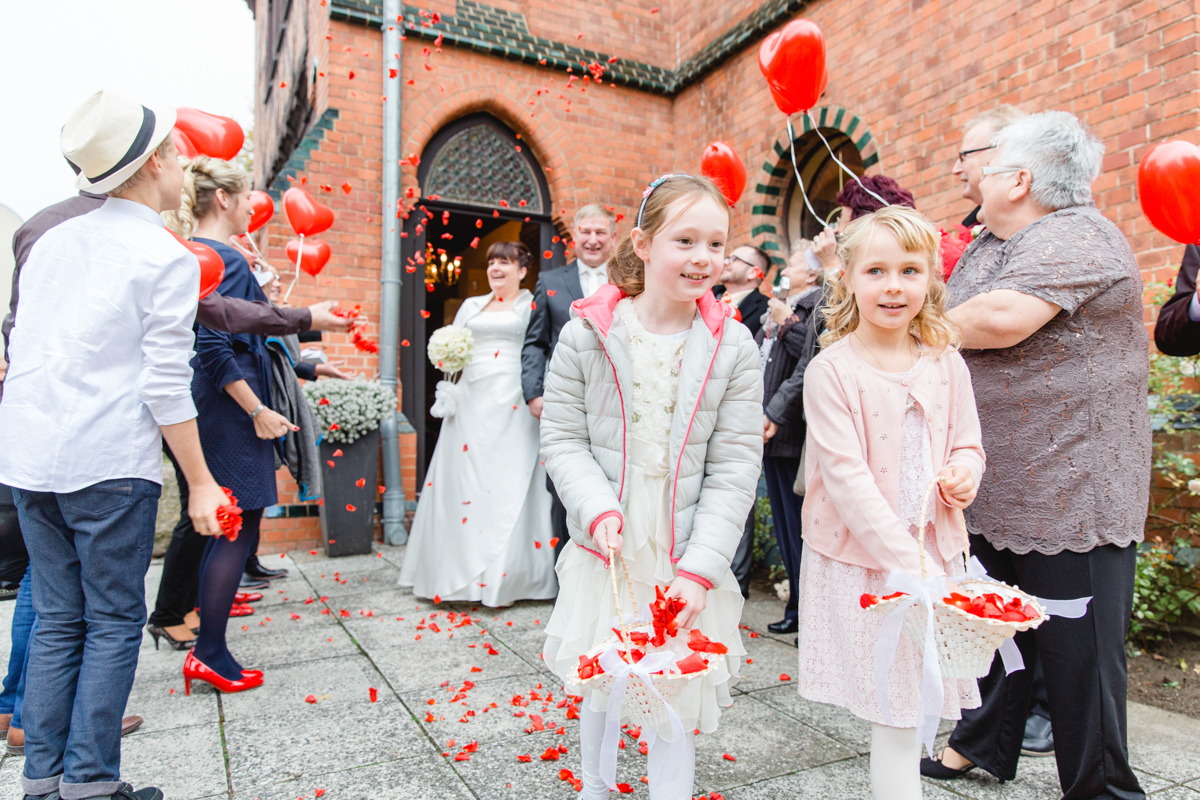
(591, 278)
(100, 352)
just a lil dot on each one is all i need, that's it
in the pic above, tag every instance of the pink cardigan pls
(855, 416)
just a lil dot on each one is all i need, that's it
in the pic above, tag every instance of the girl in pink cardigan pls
(890, 407)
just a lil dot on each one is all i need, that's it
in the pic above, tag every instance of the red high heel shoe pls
(241, 610)
(247, 597)
(252, 673)
(195, 669)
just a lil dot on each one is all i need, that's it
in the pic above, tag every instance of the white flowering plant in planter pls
(348, 410)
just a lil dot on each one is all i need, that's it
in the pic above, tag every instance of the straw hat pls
(109, 137)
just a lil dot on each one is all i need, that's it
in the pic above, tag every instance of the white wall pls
(9, 222)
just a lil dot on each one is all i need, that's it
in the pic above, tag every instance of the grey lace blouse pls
(1065, 422)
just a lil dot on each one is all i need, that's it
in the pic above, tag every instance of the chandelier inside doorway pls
(440, 268)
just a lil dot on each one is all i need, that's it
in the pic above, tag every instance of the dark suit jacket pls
(789, 348)
(552, 297)
(215, 311)
(1174, 333)
(752, 307)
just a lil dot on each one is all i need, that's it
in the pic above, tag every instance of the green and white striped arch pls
(768, 225)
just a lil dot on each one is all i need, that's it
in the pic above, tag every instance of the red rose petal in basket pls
(693, 663)
(664, 610)
(702, 644)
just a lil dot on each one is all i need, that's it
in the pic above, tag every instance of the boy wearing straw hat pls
(99, 371)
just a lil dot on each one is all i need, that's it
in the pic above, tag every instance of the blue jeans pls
(22, 624)
(88, 551)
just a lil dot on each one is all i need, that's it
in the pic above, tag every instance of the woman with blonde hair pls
(890, 409)
(231, 387)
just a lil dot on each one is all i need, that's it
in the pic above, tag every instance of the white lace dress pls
(837, 637)
(582, 614)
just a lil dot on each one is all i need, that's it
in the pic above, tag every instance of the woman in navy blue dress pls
(231, 387)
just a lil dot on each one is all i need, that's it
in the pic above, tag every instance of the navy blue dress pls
(237, 458)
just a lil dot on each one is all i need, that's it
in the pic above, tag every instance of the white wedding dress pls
(482, 528)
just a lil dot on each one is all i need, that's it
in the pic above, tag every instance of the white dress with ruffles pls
(837, 636)
(584, 613)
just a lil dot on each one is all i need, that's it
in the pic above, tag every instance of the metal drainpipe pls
(389, 312)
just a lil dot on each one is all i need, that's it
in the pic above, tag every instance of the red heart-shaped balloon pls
(721, 165)
(313, 257)
(264, 209)
(212, 267)
(793, 62)
(1167, 181)
(217, 137)
(183, 145)
(308, 217)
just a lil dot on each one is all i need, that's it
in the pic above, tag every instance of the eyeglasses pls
(998, 170)
(962, 154)
(732, 257)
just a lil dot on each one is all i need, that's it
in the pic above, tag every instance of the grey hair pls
(595, 210)
(1063, 157)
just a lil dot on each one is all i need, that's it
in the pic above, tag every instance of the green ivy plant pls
(1166, 591)
(348, 410)
(764, 538)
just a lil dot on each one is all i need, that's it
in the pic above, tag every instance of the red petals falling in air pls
(551, 754)
(424, 314)
(464, 448)
(437, 599)
(323, 402)
(551, 292)
(351, 74)
(337, 453)
(330, 463)
(537, 545)
(475, 242)
(350, 508)
(554, 542)
(363, 343)
(361, 482)
(702, 644)
(373, 693)
(549, 254)
(347, 188)
(230, 517)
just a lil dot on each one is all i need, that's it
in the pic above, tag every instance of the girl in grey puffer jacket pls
(652, 434)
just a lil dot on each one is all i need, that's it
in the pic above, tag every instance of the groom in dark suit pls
(595, 228)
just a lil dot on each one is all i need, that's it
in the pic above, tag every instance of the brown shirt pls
(1064, 414)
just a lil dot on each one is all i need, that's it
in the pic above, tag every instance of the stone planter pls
(346, 532)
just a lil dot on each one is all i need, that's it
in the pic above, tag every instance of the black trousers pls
(743, 558)
(1083, 661)
(785, 515)
(558, 520)
(180, 585)
(14, 559)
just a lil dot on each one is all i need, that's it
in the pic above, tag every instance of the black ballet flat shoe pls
(934, 768)
(263, 574)
(784, 626)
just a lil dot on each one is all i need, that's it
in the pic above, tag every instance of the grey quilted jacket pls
(715, 449)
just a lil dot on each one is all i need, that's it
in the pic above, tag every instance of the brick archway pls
(776, 175)
(507, 100)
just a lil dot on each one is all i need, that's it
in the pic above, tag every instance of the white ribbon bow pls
(445, 400)
(620, 669)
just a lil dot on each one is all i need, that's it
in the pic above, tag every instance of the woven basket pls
(966, 643)
(639, 704)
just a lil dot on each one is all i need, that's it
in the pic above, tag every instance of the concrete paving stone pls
(356, 584)
(835, 722)
(185, 763)
(409, 664)
(494, 773)
(161, 664)
(10, 776)
(153, 701)
(316, 565)
(338, 680)
(1176, 793)
(527, 644)
(843, 780)
(764, 741)
(1194, 784)
(496, 724)
(771, 658)
(424, 777)
(760, 611)
(292, 589)
(299, 743)
(268, 620)
(1162, 743)
(287, 644)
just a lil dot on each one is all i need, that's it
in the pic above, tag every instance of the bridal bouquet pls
(450, 351)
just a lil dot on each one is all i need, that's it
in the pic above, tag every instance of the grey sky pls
(54, 55)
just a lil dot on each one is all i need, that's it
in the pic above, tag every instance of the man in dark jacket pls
(1177, 332)
(556, 290)
(743, 274)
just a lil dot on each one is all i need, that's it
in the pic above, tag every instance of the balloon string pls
(292, 285)
(845, 169)
(800, 180)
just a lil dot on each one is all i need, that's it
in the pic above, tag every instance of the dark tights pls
(220, 572)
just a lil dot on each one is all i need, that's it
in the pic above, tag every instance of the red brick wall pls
(913, 71)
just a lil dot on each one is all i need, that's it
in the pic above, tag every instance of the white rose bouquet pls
(450, 351)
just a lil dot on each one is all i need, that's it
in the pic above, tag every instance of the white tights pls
(895, 763)
(591, 734)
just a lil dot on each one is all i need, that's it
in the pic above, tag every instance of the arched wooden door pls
(481, 184)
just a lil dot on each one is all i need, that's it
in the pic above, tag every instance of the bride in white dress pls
(482, 528)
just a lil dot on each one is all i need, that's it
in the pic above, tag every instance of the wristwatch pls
(257, 411)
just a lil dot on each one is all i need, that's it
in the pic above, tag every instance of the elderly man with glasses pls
(976, 150)
(1049, 301)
